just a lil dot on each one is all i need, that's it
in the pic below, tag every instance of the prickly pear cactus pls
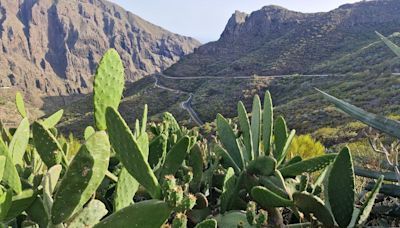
(310, 204)
(10, 174)
(341, 188)
(175, 157)
(127, 148)
(145, 214)
(19, 142)
(268, 199)
(46, 144)
(256, 125)
(125, 190)
(53, 120)
(268, 122)
(108, 86)
(310, 165)
(83, 177)
(228, 139)
(246, 132)
(19, 102)
(90, 215)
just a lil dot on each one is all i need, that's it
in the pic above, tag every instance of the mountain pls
(275, 41)
(52, 47)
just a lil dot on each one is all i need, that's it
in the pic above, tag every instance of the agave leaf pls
(280, 137)
(286, 148)
(366, 208)
(381, 123)
(390, 44)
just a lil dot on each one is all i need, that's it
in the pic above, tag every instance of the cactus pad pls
(83, 177)
(108, 86)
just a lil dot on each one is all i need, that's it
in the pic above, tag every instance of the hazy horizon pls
(206, 20)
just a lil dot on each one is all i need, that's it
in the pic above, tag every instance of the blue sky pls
(206, 19)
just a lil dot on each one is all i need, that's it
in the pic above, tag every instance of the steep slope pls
(274, 40)
(53, 46)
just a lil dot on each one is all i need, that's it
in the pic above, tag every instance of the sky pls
(206, 19)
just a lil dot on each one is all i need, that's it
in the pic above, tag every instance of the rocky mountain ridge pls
(275, 40)
(52, 47)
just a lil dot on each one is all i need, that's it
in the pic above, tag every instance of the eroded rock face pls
(53, 47)
(274, 40)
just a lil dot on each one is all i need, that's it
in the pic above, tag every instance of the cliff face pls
(274, 40)
(53, 46)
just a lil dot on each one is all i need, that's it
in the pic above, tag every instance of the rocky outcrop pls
(52, 47)
(274, 40)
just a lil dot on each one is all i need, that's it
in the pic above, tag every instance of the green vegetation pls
(163, 174)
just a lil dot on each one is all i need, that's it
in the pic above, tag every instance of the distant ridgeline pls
(275, 41)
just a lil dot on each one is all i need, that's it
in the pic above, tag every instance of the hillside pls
(52, 47)
(275, 41)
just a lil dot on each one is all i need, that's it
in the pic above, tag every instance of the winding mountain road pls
(187, 105)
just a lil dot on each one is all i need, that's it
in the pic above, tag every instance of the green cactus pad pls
(227, 159)
(108, 86)
(173, 126)
(158, 151)
(286, 148)
(3, 160)
(281, 134)
(268, 122)
(264, 166)
(90, 215)
(53, 120)
(268, 199)
(89, 131)
(196, 162)
(232, 219)
(10, 174)
(309, 165)
(83, 177)
(37, 213)
(341, 188)
(228, 190)
(49, 149)
(20, 203)
(256, 125)
(175, 157)
(125, 190)
(5, 203)
(246, 132)
(228, 140)
(131, 156)
(146, 214)
(19, 142)
(19, 102)
(208, 223)
(310, 204)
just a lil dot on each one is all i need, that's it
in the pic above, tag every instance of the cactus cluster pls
(165, 175)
